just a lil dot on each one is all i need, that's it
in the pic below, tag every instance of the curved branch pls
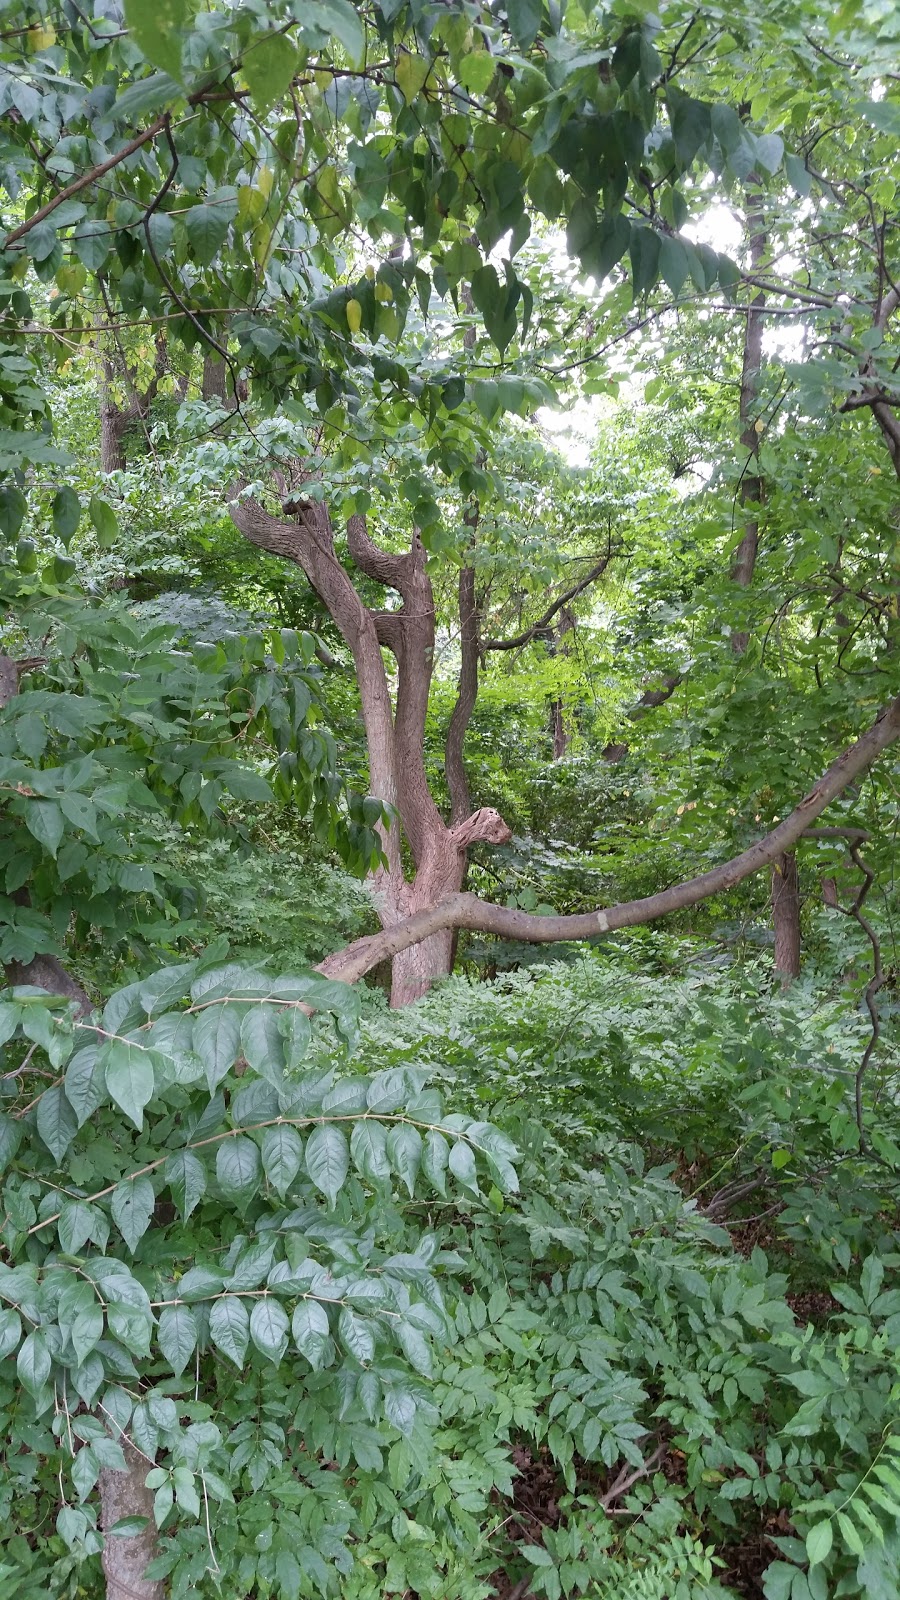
(308, 541)
(375, 563)
(571, 594)
(467, 911)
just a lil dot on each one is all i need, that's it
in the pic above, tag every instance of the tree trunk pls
(113, 427)
(125, 1560)
(786, 916)
(751, 484)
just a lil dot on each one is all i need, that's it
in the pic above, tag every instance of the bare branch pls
(467, 911)
(564, 599)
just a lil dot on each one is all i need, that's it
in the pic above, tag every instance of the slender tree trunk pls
(786, 916)
(125, 1560)
(113, 426)
(751, 484)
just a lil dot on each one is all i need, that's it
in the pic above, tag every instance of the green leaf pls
(414, 1346)
(268, 64)
(33, 1363)
(368, 1147)
(327, 1160)
(850, 1534)
(238, 1167)
(400, 1408)
(673, 263)
(269, 1328)
(411, 72)
(524, 20)
(404, 1149)
(177, 1336)
(185, 1175)
(66, 513)
(13, 506)
(462, 1164)
(10, 1333)
(10, 1139)
(129, 1078)
(132, 1205)
(92, 243)
(44, 819)
(85, 1082)
(435, 1157)
(282, 1156)
(105, 522)
(477, 71)
(217, 1041)
(645, 252)
(343, 21)
(56, 1121)
(357, 1336)
(819, 1541)
(769, 151)
(229, 1327)
(262, 1042)
(690, 122)
(311, 1332)
(206, 227)
(77, 1223)
(156, 27)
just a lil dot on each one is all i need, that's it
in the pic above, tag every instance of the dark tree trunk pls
(786, 916)
(113, 427)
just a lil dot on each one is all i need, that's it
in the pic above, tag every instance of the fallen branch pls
(467, 911)
(626, 1479)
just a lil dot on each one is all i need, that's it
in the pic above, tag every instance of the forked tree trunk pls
(395, 725)
(786, 916)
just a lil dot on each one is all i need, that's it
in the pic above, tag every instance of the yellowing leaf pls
(41, 37)
(251, 204)
(264, 180)
(354, 315)
(411, 72)
(384, 293)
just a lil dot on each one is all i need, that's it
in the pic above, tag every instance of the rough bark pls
(467, 694)
(786, 916)
(395, 732)
(125, 1560)
(751, 484)
(115, 420)
(467, 911)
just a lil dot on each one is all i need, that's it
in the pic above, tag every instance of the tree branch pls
(570, 594)
(375, 563)
(467, 911)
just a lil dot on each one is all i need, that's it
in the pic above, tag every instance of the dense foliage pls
(577, 1278)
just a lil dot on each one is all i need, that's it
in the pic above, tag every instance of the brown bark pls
(454, 766)
(115, 420)
(395, 732)
(648, 701)
(467, 911)
(786, 916)
(751, 484)
(125, 1560)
